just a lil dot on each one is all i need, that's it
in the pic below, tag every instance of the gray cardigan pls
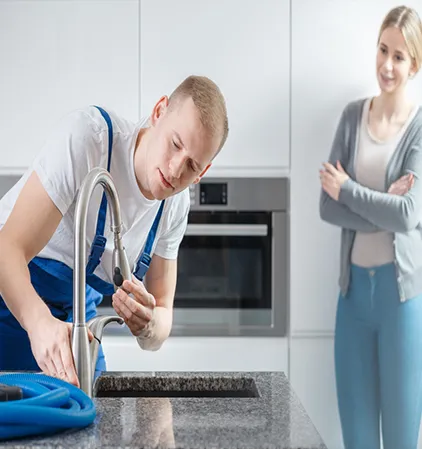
(362, 209)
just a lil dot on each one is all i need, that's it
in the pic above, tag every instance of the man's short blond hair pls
(209, 101)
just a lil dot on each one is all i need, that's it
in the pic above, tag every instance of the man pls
(152, 163)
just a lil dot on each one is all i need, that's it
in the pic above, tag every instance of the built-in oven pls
(233, 261)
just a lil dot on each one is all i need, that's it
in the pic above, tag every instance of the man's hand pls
(52, 349)
(332, 178)
(402, 185)
(137, 309)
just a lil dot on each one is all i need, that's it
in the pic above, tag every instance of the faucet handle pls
(96, 326)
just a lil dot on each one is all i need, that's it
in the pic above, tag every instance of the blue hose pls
(49, 405)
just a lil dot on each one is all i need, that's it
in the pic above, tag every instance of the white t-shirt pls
(77, 145)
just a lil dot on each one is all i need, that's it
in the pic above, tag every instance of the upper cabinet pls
(57, 56)
(245, 48)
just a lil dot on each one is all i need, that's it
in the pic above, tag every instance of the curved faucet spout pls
(80, 341)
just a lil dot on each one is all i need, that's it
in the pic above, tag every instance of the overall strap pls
(98, 245)
(145, 259)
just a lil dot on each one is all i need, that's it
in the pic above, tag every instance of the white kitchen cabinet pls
(313, 379)
(244, 48)
(198, 354)
(57, 56)
(330, 67)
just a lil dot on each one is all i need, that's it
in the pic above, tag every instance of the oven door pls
(224, 282)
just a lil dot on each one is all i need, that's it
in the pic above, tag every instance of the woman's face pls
(394, 64)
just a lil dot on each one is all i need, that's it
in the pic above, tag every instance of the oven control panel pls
(240, 194)
(213, 193)
(208, 193)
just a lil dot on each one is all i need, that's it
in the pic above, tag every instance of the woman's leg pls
(356, 364)
(400, 349)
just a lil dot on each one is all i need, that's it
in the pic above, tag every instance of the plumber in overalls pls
(152, 163)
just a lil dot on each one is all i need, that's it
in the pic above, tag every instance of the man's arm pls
(28, 229)
(160, 281)
(148, 309)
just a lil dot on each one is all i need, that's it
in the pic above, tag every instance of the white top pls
(77, 145)
(371, 160)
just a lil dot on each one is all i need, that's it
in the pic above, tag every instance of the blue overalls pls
(53, 281)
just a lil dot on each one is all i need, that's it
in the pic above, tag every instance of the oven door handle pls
(235, 230)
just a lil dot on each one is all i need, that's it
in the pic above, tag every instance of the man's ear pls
(159, 110)
(202, 174)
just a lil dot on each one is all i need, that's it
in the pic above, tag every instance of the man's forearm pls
(157, 330)
(16, 288)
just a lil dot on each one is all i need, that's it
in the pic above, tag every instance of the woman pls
(372, 189)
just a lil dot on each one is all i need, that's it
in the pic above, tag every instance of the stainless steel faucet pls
(84, 352)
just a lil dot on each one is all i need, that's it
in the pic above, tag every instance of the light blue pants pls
(378, 362)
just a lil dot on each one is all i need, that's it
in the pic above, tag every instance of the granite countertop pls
(274, 418)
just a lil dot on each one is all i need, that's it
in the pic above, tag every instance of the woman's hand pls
(138, 309)
(402, 185)
(332, 178)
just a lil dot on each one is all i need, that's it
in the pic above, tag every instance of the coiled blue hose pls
(49, 405)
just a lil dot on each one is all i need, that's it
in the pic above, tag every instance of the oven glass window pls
(225, 262)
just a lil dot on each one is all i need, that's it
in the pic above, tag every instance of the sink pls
(109, 386)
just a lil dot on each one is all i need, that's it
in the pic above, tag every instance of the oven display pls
(213, 193)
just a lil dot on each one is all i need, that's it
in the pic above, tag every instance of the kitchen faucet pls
(85, 353)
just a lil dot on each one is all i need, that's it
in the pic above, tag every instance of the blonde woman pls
(372, 189)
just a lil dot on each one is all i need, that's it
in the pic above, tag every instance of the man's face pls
(179, 149)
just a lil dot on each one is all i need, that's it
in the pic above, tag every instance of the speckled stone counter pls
(262, 412)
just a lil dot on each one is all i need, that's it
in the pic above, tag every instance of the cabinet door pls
(59, 56)
(244, 48)
(313, 380)
(197, 354)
